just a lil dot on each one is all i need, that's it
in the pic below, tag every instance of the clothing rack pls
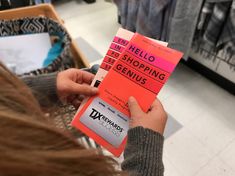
(210, 57)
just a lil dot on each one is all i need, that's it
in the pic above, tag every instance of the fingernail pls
(131, 99)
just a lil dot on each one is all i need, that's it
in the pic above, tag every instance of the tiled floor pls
(206, 143)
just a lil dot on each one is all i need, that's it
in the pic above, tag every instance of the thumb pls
(134, 107)
(156, 105)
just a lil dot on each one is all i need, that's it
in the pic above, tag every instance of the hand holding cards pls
(140, 69)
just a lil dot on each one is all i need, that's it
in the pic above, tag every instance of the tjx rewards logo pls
(106, 122)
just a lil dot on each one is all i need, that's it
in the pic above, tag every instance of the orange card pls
(140, 71)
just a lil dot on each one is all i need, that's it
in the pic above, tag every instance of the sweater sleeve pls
(143, 153)
(43, 88)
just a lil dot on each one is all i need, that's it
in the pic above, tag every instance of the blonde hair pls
(31, 145)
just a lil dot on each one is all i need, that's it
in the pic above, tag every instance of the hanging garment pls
(9, 4)
(147, 17)
(150, 17)
(226, 40)
(168, 15)
(228, 33)
(216, 23)
(205, 15)
(183, 25)
(210, 25)
(132, 15)
(171, 20)
(21, 3)
(174, 21)
(216, 27)
(128, 10)
(5, 4)
(42, 1)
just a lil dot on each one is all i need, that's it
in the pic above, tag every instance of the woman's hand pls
(155, 119)
(73, 85)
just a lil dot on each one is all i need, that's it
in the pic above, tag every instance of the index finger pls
(87, 77)
(83, 89)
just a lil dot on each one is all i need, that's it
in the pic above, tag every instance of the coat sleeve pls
(43, 88)
(143, 153)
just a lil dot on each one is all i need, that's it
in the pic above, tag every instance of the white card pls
(24, 52)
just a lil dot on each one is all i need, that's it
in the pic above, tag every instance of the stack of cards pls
(133, 66)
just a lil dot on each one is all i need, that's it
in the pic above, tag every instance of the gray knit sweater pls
(143, 152)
